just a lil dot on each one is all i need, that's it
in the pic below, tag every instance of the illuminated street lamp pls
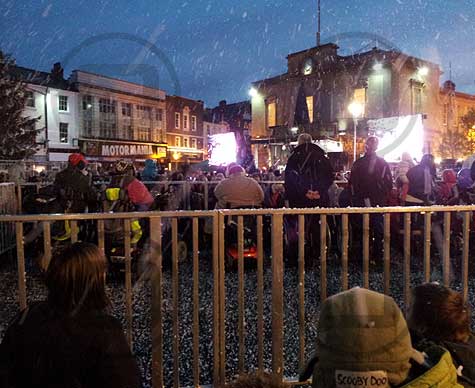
(253, 92)
(423, 71)
(356, 109)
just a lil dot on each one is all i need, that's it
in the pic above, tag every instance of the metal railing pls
(217, 255)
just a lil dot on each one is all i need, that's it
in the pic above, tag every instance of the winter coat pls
(75, 189)
(308, 172)
(463, 355)
(371, 181)
(150, 171)
(43, 348)
(417, 189)
(441, 372)
(238, 191)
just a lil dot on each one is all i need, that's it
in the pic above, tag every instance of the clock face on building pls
(307, 67)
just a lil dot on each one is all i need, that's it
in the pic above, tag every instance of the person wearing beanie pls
(363, 341)
(238, 190)
(74, 186)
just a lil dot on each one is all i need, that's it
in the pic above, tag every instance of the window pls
(445, 114)
(126, 109)
(185, 122)
(310, 108)
(417, 100)
(177, 141)
(127, 132)
(159, 115)
(30, 99)
(144, 112)
(177, 120)
(63, 132)
(144, 134)
(193, 143)
(63, 103)
(88, 131)
(106, 105)
(271, 114)
(185, 142)
(107, 130)
(193, 123)
(87, 102)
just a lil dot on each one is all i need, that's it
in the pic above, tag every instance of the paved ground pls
(142, 319)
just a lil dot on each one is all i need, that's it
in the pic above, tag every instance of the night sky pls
(217, 47)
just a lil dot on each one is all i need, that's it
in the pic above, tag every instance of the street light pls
(356, 109)
(253, 92)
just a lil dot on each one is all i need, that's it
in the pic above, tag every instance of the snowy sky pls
(217, 47)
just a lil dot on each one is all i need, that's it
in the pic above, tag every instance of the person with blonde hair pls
(69, 340)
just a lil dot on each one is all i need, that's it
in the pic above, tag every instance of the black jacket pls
(308, 168)
(371, 179)
(75, 188)
(42, 348)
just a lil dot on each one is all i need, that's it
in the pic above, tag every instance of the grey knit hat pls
(362, 335)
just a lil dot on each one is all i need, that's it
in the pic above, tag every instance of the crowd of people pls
(363, 339)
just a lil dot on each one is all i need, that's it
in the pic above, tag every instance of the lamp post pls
(356, 110)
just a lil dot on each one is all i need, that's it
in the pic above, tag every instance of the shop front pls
(111, 151)
(181, 155)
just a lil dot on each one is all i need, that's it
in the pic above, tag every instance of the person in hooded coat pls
(308, 177)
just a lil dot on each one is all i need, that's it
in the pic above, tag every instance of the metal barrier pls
(217, 253)
(8, 205)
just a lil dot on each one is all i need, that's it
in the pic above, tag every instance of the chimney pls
(222, 103)
(449, 86)
(57, 72)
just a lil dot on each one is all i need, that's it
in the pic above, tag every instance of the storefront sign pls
(123, 150)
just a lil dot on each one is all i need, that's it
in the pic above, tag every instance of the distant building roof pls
(234, 114)
(53, 80)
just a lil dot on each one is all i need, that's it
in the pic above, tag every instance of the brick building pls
(185, 134)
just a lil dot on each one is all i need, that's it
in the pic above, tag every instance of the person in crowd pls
(150, 171)
(256, 380)
(308, 176)
(402, 182)
(422, 182)
(363, 337)
(238, 190)
(371, 178)
(371, 184)
(137, 192)
(440, 315)
(464, 190)
(76, 191)
(69, 340)
(445, 189)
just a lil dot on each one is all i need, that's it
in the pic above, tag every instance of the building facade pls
(314, 94)
(55, 101)
(185, 134)
(119, 119)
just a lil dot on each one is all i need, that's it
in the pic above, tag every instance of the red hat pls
(76, 158)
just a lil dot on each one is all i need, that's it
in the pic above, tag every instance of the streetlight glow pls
(377, 66)
(423, 71)
(253, 92)
(356, 109)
